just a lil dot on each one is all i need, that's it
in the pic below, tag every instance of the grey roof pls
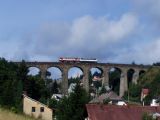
(109, 95)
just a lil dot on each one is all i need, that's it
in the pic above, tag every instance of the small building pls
(154, 102)
(144, 93)
(36, 109)
(57, 96)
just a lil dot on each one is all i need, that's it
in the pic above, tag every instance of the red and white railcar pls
(65, 59)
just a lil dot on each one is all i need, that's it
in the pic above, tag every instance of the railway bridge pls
(85, 67)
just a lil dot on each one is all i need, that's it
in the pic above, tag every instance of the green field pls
(7, 115)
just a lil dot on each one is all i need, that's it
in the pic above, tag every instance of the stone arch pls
(95, 70)
(54, 79)
(75, 73)
(115, 75)
(76, 66)
(141, 73)
(99, 69)
(95, 77)
(54, 70)
(130, 76)
(33, 71)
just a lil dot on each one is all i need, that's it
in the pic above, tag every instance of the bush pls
(146, 116)
(106, 101)
(14, 110)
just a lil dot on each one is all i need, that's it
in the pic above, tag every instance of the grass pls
(8, 115)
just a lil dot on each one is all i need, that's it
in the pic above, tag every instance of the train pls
(86, 60)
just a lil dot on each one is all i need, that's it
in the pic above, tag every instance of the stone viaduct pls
(85, 67)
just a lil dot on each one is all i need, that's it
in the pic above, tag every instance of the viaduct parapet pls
(85, 67)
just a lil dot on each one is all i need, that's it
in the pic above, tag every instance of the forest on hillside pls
(151, 81)
(14, 80)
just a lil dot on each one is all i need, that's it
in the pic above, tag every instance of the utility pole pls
(128, 95)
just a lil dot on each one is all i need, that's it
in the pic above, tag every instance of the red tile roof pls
(112, 112)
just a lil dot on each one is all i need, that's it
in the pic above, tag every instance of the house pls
(57, 96)
(114, 112)
(144, 93)
(154, 102)
(36, 109)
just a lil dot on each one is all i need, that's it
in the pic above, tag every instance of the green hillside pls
(7, 115)
(149, 77)
(150, 80)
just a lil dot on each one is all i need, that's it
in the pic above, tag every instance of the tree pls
(11, 87)
(153, 87)
(73, 106)
(114, 80)
(54, 87)
(103, 90)
(48, 74)
(134, 93)
(22, 74)
(146, 116)
(14, 80)
(36, 88)
(18, 94)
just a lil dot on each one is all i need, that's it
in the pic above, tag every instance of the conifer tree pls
(73, 106)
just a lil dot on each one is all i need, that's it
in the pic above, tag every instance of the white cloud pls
(146, 54)
(90, 30)
(147, 45)
(85, 36)
(150, 53)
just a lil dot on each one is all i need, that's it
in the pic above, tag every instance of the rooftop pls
(112, 112)
(109, 95)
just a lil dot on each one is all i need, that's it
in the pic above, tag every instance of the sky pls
(114, 31)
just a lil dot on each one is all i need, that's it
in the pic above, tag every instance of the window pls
(33, 109)
(41, 109)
